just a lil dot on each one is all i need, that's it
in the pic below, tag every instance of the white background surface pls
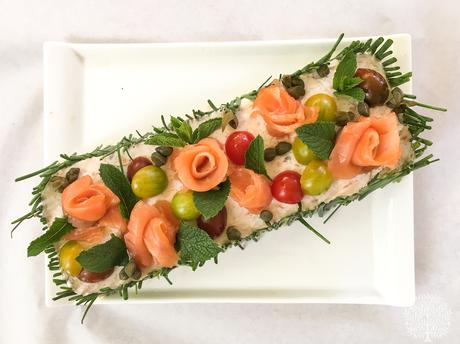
(23, 28)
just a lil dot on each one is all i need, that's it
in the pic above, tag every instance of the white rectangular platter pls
(96, 93)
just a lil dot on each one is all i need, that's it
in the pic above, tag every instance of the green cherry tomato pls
(149, 181)
(327, 106)
(316, 178)
(183, 206)
(302, 153)
(68, 258)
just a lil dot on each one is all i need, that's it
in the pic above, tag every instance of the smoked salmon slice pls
(152, 234)
(202, 166)
(114, 220)
(87, 201)
(250, 190)
(372, 141)
(281, 112)
(91, 235)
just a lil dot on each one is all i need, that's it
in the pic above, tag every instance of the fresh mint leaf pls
(254, 158)
(345, 69)
(355, 93)
(319, 137)
(351, 82)
(105, 256)
(54, 233)
(206, 128)
(209, 203)
(116, 181)
(345, 82)
(165, 139)
(184, 131)
(195, 246)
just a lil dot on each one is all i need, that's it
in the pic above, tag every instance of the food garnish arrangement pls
(305, 143)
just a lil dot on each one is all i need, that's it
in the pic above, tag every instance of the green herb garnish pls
(55, 232)
(105, 256)
(195, 246)
(206, 128)
(209, 203)
(345, 83)
(181, 133)
(116, 181)
(319, 137)
(254, 158)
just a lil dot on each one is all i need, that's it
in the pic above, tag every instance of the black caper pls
(323, 70)
(363, 109)
(158, 159)
(282, 148)
(266, 215)
(123, 275)
(164, 150)
(233, 233)
(72, 174)
(269, 154)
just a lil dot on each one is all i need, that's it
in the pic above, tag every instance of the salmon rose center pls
(203, 164)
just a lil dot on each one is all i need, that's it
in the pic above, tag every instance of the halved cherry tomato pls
(286, 187)
(236, 146)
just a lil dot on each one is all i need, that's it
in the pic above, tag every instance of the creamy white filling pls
(237, 216)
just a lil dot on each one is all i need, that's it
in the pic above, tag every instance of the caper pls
(59, 183)
(62, 187)
(136, 274)
(396, 98)
(282, 148)
(266, 216)
(269, 154)
(233, 233)
(363, 109)
(130, 268)
(233, 123)
(164, 150)
(123, 275)
(296, 92)
(295, 86)
(342, 118)
(158, 159)
(323, 70)
(72, 174)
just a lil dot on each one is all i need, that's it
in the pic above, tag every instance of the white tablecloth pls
(25, 25)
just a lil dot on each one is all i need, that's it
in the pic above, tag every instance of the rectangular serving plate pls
(96, 93)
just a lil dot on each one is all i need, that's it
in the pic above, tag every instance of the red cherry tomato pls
(286, 187)
(136, 164)
(236, 146)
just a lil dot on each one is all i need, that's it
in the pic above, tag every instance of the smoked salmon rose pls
(282, 113)
(87, 201)
(250, 190)
(202, 166)
(152, 234)
(370, 142)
